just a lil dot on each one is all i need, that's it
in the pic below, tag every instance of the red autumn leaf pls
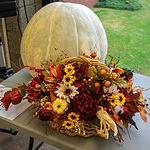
(51, 68)
(132, 96)
(15, 96)
(35, 83)
(6, 100)
(33, 96)
(58, 70)
(115, 117)
(53, 96)
(131, 108)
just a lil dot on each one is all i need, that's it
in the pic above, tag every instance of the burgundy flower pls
(81, 71)
(85, 105)
(45, 115)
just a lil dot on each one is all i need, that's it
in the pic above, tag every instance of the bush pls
(119, 4)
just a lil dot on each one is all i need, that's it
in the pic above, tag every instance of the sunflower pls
(117, 99)
(73, 117)
(66, 92)
(68, 79)
(69, 69)
(68, 124)
(60, 106)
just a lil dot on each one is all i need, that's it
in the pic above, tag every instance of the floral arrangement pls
(82, 96)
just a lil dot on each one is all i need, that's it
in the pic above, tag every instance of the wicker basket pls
(86, 129)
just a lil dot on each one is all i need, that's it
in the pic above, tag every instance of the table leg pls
(39, 145)
(31, 142)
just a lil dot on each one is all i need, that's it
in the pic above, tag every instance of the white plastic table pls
(140, 140)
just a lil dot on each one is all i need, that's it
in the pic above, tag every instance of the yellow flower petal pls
(60, 106)
(73, 117)
(69, 69)
(68, 79)
(117, 99)
(68, 124)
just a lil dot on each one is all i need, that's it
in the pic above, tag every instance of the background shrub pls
(119, 4)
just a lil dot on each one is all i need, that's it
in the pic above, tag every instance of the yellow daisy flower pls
(66, 92)
(69, 69)
(117, 99)
(68, 124)
(68, 79)
(73, 117)
(60, 106)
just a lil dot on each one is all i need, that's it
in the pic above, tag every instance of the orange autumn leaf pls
(119, 70)
(52, 70)
(49, 79)
(143, 113)
(116, 119)
(55, 71)
(45, 73)
(53, 97)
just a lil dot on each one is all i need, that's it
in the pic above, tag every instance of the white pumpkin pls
(61, 29)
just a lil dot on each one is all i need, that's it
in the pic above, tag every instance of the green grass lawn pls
(128, 35)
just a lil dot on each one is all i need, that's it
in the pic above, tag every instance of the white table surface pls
(140, 140)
